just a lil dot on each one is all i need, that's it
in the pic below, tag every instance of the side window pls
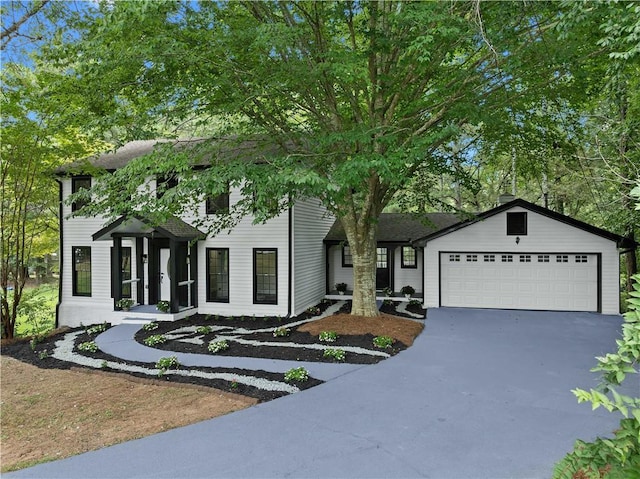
(218, 275)
(81, 271)
(347, 259)
(517, 223)
(409, 259)
(265, 276)
(79, 183)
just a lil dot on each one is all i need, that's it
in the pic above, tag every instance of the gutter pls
(60, 253)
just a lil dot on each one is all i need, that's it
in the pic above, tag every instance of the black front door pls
(382, 268)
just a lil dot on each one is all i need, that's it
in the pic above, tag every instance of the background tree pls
(357, 96)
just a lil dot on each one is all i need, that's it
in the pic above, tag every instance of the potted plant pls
(341, 288)
(407, 291)
(163, 306)
(124, 304)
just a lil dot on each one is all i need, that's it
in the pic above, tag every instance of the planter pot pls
(126, 310)
(341, 293)
(407, 296)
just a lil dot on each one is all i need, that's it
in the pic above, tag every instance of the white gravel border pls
(64, 351)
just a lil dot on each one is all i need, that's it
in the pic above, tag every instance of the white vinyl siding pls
(545, 236)
(241, 241)
(311, 223)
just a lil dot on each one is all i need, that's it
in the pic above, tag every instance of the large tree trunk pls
(362, 241)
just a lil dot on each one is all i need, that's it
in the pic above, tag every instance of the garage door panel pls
(566, 282)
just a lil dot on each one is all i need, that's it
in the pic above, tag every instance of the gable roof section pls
(398, 227)
(621, 241)
(173, 228)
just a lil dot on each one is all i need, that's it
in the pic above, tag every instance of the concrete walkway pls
(118, 341)
(481, 394)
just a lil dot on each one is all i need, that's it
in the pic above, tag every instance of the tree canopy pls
(359, 97)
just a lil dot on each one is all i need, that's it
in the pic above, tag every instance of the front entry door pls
(165, 275)
(382, 268)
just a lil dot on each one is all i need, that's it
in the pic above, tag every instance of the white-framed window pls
(472, 258)
(562, 258)
(507, 258)
(582, 258)
(454, 258)
(543, 258)
(525, 258)
(489, 258)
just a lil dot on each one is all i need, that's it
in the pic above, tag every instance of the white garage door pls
(539, 281)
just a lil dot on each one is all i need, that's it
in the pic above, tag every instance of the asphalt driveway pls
(481, 394)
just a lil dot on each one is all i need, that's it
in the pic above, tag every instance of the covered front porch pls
(153, 267)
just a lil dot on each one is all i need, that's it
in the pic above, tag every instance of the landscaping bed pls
(294, 339)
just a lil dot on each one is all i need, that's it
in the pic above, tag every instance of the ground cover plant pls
(49, 353)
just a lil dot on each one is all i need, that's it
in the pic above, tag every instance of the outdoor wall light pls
(517, 239)
(145, 258)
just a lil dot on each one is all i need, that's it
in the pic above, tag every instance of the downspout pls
(290, 262)
(60, 253)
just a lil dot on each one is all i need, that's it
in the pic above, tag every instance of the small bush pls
(336, 354)
(97, 329)
(150, 326)
(167, 363)
(155, 339)
(383, 342)
(296, 374)
(313, 310)
(217, 346)
(88, 347)
(328, 336)
(281, 332)
(204, 329)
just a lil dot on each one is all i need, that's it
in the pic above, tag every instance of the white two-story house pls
(276, 268)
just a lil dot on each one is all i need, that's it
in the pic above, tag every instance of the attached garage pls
(537, 281)
(522, 256)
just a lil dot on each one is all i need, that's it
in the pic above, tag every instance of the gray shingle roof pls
(230, 148)
(400, 227)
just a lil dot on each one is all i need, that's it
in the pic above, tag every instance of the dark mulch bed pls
(39, 356)
(413, 308)
(264, 351)
(39, 353)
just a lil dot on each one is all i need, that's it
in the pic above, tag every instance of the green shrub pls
(618, 457)
(217, 346)
(383, 342)
(328, 336)
(155, 339)
(281, 332)
(150, 326)
(97, 329)
(88, 346)
(336, 354)
(296, 374)
(167, 363)
(204, 329)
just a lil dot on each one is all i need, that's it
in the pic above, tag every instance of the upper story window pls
(517, 223)
(79, 183)
(409, 259)
(219, 204)
(164, 183)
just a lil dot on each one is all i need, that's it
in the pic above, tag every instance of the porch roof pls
(401, 228)
(173, 228)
